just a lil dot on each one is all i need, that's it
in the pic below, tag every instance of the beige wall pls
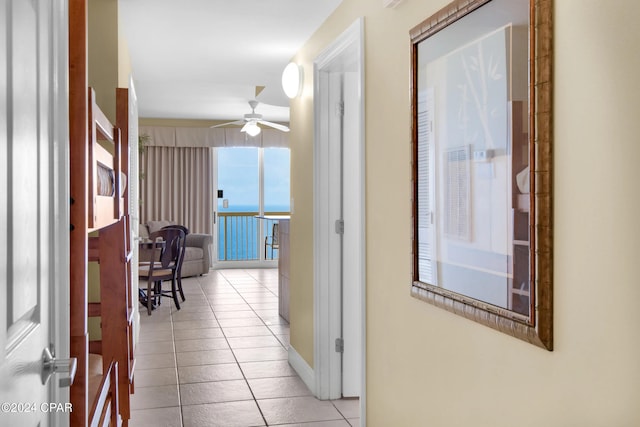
(301, 224)
(124, 60)
(109, 67)
(103, 53)
(464, 374)
(103, 78)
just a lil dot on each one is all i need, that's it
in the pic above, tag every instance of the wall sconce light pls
(292, 79)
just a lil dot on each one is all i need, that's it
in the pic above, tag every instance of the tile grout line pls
(275, 336)
(228, 284)
(234, 354)
(238, 291)
(258, 281)
(175, 358)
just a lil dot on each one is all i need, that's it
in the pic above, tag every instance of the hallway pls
(222, 360)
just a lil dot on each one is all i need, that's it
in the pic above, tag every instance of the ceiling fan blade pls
(278, 126)
(237, 122)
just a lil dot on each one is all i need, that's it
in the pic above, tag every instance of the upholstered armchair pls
(197, 258)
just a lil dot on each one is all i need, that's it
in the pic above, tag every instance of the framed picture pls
(481, 139)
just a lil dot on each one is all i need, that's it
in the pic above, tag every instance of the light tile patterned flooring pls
(222, 360)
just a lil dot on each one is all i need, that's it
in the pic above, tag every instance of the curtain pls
(176, 186)
(167, 136)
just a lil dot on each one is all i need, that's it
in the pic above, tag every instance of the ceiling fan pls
(251, 121)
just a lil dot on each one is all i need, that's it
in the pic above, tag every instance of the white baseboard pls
(303, 369)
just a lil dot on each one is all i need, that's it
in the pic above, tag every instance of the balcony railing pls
(241, 236)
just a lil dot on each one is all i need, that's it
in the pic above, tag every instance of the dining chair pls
(166, 250)
(274, 242)
(183, 251)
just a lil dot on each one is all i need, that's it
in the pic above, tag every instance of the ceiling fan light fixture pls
(252, 129)
(250, 122)
(292, 79)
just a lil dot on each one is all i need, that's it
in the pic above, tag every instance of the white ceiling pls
(202, 59)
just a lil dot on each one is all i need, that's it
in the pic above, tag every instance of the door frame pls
(59, 313)
(347, 49)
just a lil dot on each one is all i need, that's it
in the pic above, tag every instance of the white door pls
(352, 239)
(339, 218)
(33, 210)
(345, 205)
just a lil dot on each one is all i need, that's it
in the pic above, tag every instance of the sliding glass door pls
(251, 182)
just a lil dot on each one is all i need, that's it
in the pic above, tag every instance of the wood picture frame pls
(482, 241)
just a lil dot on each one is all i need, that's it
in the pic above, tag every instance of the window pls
(251, 181)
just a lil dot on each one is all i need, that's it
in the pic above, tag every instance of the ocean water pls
(241, 236)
